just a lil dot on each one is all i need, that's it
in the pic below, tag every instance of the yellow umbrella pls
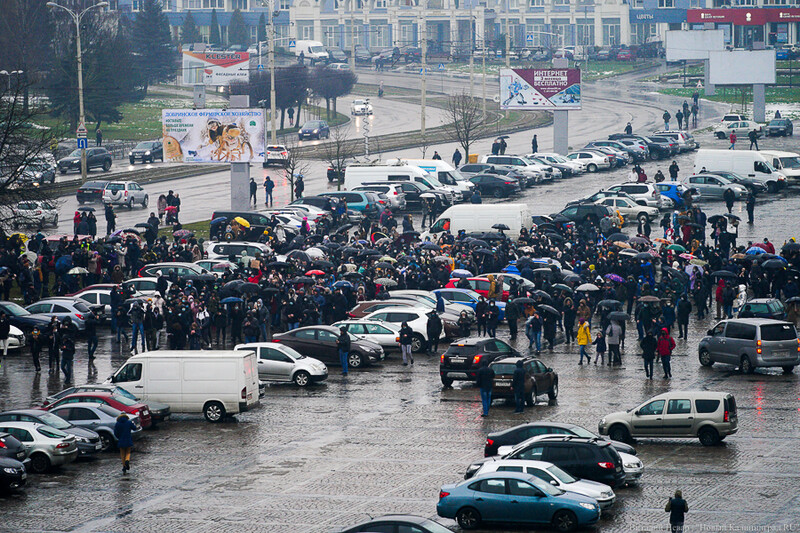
(242, 222)
(22, 236)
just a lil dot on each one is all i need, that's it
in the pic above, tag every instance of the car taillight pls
(276, 340)
(489, 442)
(509, 183)
(351, 315)
(39, 212)
(441, 359)
(395, 193)
(244, 393)
(126, 193)
(653, 193)
(606, 465)
(726, 417)
(62, 445)
(3, 444)
(79, 316)
(476, 360)
(443, 494)
(758, 344)
(284, 154)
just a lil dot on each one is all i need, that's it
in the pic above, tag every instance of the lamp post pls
(77, 17)
(424, 61)
(9, 74)
(273, 132)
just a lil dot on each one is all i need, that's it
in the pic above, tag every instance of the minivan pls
(366, 202)
(750, 343)
(226, 250)
(355, 175)
(708, 416)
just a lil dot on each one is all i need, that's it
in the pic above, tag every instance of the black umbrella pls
(303, 279)
(199, 277)
(610, 304)
(773, 264)
(383, 264)
(430, 246)
(87, 209)
(548, 309)
(143, 225)
(299, 255)
(562, 287)
(724, 274)
(354, 275)
(791, 247)
(793, 300)
(478, 243)
(522, 262)
(731, 216)
(618, 237)
(501, 227)
(322, 264)
(546, 226)
(249, 288)
(618, 315)
(343, 228)
(644, 256)
(572, 278)
(524, 301)
(714, 219)
(483, 251)
(270, 290)
(542, 296)
(368, 252)
(554, 237)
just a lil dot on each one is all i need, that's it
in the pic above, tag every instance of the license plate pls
(24, 476)
(21, 455)
(460, 375)
(503, 382)
(98, 446)
(458, 359)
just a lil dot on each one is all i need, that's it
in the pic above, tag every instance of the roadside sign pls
(292, 43)
(83, 143)
(81, 131)
(260, 68)
(441, 66)
(529, 38)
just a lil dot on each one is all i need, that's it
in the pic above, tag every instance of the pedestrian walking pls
(666, 116)
(456, 158)
(436, 156)
(729, 196)
(343, 344)
(673, 170)
(600, 348)
(136, 315)
(427, 207)
(299, 187)
(485, 381)
(679, 119)
(91, 322)
(732, 140)
(434, 330)
(584, 339)
(123, 431)
(695, 110)
(5, 331)
(269, 185)
(751, 206)
(513, 313)
(649, 346)
(253, 190)
(503, 146)
(493, 318)
(518, 387)
(290, 112)
(53, 346)
(98, 137)
(37, 338)
(613, 339)
(111, 219)
(665, 346)
(67, 357)
(535, 145)
(753, 136)
(677, 509)
(628, 129)
(406, 339)
(476, 197)
(533, 330)
(161, 204)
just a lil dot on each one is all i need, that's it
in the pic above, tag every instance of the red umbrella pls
(315, 273)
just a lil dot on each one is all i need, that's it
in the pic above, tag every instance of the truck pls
(444, 172)
(479, 218)
(747, 163)
(356, 175)
(787, 163)
(216, 383)
(313, 52)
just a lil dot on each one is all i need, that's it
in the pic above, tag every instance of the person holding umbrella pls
(533, 330)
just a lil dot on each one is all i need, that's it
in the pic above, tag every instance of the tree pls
(331, 84)
(213, 31)
(153, 44)
(463, 119)
(238, 32)
(338, 152)
(295, 165)
(291, 89)
(189, 32)
(262, 29)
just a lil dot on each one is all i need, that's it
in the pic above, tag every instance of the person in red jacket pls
(665, 346)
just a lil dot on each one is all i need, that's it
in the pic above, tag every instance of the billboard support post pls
(240, 172)
(709, 87)
(561, 118)
(759, 102)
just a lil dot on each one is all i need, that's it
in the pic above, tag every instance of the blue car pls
(314, 129)
(674, 191)
(467, 297)
(515, 498)
(366, 202)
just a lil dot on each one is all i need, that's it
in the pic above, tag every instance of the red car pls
(479, 285)
(626, 55)
(121, 403)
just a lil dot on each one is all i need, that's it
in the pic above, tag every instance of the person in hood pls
(343, 344)
(665, 346)
(518, 386)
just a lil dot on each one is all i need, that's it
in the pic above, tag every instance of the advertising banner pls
(213, 135)
(215, 68)
(551, 88)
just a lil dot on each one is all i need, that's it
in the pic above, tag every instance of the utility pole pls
(471, 50)
(352, 36)
(273, 131)
(424, 48)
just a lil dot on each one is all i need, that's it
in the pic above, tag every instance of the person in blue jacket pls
(123, 431)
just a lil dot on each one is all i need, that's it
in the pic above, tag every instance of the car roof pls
(521, 462)
(505, 475)
(757, 321)
(31, 412)
(691, 394)
(471, 341)
(512, 359)
(26, 425)
(404, 517)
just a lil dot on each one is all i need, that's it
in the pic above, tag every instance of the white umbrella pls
(315, 253)
(77, 270)
(587, 287)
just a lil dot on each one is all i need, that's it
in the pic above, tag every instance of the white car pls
(338, 66)
(36, 213)
(593, 161)
(554, 475)
(521, 164)
(46, 445)
(360, 107)
(225, 250)
(416, 317)
(741, 129)
(383, 333)
(276, 154)
(428, 299)
(713, 186)
(278, 362)
(733, 117)
(647, 192)
(632, 466)
(145, 286)
(125, 193)
(16, 339)
(684, 139)
(576, 165)
(629, 209)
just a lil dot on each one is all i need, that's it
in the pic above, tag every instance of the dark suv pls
(591, 458)
(147, 151)
(95, 158)
(91, 191)
(539, 378)
(780, 126)
(523, 432)
(763, 308)
(463, 358)
(583, 213)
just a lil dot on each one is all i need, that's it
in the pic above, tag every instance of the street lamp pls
(273, 132)
(77, 17)
(9, 74)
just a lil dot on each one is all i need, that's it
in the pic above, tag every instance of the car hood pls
(576, 498)
(81, 432)
(34, 320)
(365, 344)
(69, 160)
(141, 150)
(587, 488)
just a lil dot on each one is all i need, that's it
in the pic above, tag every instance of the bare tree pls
(295, 166)
(338, 151)
(464, 119)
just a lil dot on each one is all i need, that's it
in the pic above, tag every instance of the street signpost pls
(292, 43)
(260, 68)
(83, 144)
(529, 39)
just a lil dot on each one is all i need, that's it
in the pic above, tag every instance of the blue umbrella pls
(461, 273)
(219, 220)
(63, 264)
(342, 285)
(755, 250)
(231, 300)
(511, 269)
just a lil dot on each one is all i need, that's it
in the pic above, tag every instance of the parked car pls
(485, 500)
(412, 54)
(62, 307)
(91, 192)
(647, 192)
(751, 343)
(238, 249)
(685, 141)
(336, 55)
(147, 152)
(47, 446)
(96, 417)
(550, 473)
(95, 158)
(755, 185)
(415, 316)
(385, 334)
(320, 342)
(780, 127)
(711, 186)
(21, 318)
(276, 154)
(708, 416)
(392, 523)
(580, 214)
(635, 152)
(467, 297)
(515, 435)
(630, 209)
(338, 66)
(593, 161)
(87, 440)
(117, 401)
(159, 411)
(34, 213)
(393, 191)
(11, 447)
(539, 378)
(741, 129)
(125, 193)
(494, 185)
(180, 269)
(465, 356)
(480, 284)
(281, 362)
(36, 172)
(733, 117)
(763, 308)
(360, 106)
(365, 202)
(314, 129)
(144, 286)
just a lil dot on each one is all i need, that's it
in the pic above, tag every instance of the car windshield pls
(292, 352)
(778, 332)
(94, 184)
(144, 146)
(123, 392)
(51, 433)
(115, 187)
(560, 475)
(75, 153)
(53, 421)
(545, 487)
(14, 309)
(582, 432)
(123, 400)
(790, 162)
(504, 368)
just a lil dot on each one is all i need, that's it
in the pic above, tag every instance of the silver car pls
(125, 193)
(34, 213)
(278, 362)
(383, 333)
(88, 440)
(99, 418)
(47, 446)
(750, 343)
(159, 411)
(62, 307)
(711, 186)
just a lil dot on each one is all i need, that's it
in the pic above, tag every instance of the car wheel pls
(591, 167)
(468, 518)
(130, 204)
(788, 369)
(302, 378)
(498, 193)
(354, 360)
(107, 442)
(55, 221)
(720, 135)
(553, 392)
(705, 358)
(708, 436)
(106, 165)
(446, 381)
(214, 411)
(530, 401)
(772, 187)
(654, 156)
(746, 366)
(145, 201)
(417, 343)
(619, 433)
(565, 520)
(40, 463)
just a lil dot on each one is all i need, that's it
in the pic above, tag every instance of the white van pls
(215, 383)
(480, 218)
(313, 52)
(747, 163)
(787, 163)
(356, 175)
(444, 172)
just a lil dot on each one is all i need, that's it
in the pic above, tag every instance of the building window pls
(611, 31)
(239, 4)
(407, 35)
(379, 36)
(563, 32)
(666, 3)
(637, 3)
(535, 3)
(561, 2)
(379, 4)
(192, 4)
(640, 33)
(307, 32)
(284, 5)
(585, 29)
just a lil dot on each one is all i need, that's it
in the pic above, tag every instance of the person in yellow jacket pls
(584, 338)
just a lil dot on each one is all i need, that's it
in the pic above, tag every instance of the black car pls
(763, 308)
(401, 523)
(319, 342)
(11, 447)
(147, 152)
(88, 441)
(336, 55)
(95, 158)
(511, 172)
(494, 185)
(12, 474)
(585, 458)
(464, 357)
(579, 214)
(634, 154)
(258, 223)
(779, 126)
(21, 318)
(752, 184)
(539, 379)
(37, 172)
(314, 129)
(91, 192)
(413, 191)
(412, 54)
(523, 432)
(657, 149)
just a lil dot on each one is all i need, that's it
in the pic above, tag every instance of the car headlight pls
(607, 494)
(315, 131)
(589, 506)
(10, 470)
(603, 421)
(633, 465)
(147, 152)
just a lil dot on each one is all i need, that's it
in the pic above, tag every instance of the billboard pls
(741, 67)
(213, 135)
(549, 88)
(692, 44)
(215, 68)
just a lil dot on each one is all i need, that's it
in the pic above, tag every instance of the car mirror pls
(641, 202)
(637, 412)
(549, 369)
(710, 332)
(554, 482)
